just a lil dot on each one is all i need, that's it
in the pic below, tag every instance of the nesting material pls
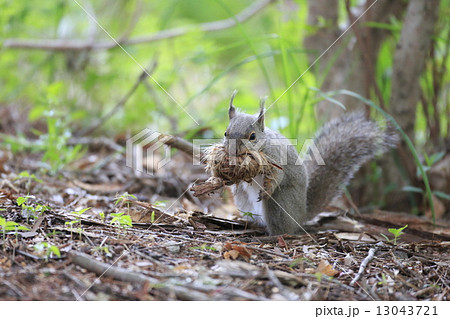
(234, 169)
(228, 170)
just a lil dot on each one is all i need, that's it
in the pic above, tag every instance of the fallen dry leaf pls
(358, 237)
(232, 254)
(234, 251)
(326, 269)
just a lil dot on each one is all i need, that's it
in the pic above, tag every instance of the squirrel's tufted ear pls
(232, 109)
(260, 120)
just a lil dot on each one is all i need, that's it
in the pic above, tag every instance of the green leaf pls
(328, 98)
(37, 112)
(117, 214)
(152, 217)
(41, 246)
(26, 174)
(412, 189)
(21, 200)
(442, 195)
(80, 212)
(383, 26)
(436, 157)
(397, 231)
(385, 237)
(55, 250)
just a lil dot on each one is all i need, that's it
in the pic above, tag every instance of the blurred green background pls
(260, 57)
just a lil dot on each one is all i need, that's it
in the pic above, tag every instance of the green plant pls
(152, 217)
(123, 199)
(29, 178)
(160, 203)
(249, 214)
(49, 249)
(54, 143)
(103, 249)
(80, 212)
(429, 161)
(297, 261)
(6, 225)
(57, 152)
(25, 174)
(76, 221)
(419, 190)
(121, 220)
(70, 225)
(397, 232)
(30, 210)
(203, 247)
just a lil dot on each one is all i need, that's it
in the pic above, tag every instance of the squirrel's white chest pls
(246, 197)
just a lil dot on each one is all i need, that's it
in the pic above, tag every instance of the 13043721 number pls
(406, 311)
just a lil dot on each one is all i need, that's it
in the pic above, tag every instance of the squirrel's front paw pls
(263, 195)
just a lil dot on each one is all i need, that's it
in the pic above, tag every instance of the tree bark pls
(409, 63)
(349, 70)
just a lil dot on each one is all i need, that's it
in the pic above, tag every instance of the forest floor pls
(175, 250)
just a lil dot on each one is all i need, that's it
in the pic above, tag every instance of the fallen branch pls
(209, 186)
(182, 291)
(287, 294)
(365, 262)
(80, 45)
(104, 269)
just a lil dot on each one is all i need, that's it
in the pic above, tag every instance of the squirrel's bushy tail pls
(345, 144)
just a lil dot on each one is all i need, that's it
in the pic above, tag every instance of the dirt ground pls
(184, 248)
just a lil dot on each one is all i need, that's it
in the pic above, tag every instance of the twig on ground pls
(289, 295)
(365, 262)
(14, 288)
(267, 251)
(101, 268)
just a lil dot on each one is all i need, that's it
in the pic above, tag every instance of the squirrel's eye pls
(225, 134)
(252, 136)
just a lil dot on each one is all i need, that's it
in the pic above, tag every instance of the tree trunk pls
(350, 69)
(409, 63)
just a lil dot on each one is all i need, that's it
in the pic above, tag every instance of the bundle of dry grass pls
(234, 169)
(228, 170)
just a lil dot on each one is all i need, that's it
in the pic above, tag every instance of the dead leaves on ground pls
(326, 269)
(234, 250)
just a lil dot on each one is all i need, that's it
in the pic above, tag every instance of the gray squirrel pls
(297, 191)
